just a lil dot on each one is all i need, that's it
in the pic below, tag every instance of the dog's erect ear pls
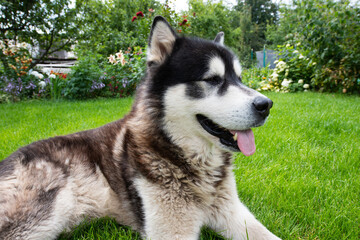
(219, 38)
(161, 41)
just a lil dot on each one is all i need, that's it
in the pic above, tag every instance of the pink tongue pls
(246, 141)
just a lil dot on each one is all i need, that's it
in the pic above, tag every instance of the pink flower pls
(133, 18)
(151, 10)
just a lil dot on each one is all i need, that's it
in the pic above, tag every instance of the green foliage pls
(123, 72)
(114, 76)
(50, 25)
(256, 78)
(330, 32)
(293, 72)
(81, 78)
(107, 26)
(15, 58)
(21, 88)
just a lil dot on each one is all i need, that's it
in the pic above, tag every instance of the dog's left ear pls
(220, 38)
(161, 41)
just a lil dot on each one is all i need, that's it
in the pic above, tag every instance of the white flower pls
(306, 86)
(112, 59)
(42, 84)
(274, 76)
(276, 61)
(36, 74)
(296, 51)
(287, 45)
(52, 76)
(23, 45)
(298, 44)
(285, 83)
(120, 57)
(301, 81)
(301, 56)
(314, 63)
(281, 66)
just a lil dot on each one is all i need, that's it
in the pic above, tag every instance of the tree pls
(263, 13)
(107, 26)
(49, 24)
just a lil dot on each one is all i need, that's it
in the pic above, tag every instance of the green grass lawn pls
(302, 183)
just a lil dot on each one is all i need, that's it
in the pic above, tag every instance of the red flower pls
(194, 14)
(179, 30)
(140, 14)
(133, 18)
(184, 21)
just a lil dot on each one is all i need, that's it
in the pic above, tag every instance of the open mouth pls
(234, 139)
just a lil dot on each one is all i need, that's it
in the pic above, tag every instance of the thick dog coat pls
(165, 169)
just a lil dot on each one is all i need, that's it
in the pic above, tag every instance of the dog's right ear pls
(161, 41)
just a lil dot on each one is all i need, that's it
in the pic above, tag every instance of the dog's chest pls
(200, 179)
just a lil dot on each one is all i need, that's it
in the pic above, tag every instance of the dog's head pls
(199, 83)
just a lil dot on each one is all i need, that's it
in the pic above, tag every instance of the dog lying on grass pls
(165, 169)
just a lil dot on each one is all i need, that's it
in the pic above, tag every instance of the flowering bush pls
(114, 76)
(256, 78)
(293, 72)
(124, 71)
(15, 58)
(20, 88)
(17, 82)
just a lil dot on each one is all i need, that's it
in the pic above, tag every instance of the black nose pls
(263, 105)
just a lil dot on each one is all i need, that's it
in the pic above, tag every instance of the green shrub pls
(82, 77)
(21, 88)
(294, 71)
(329, 30)
(123, 72)
(256, 78)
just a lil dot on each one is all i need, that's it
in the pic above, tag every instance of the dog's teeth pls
(235, 137)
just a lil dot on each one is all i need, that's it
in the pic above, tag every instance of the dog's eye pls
(214, 80)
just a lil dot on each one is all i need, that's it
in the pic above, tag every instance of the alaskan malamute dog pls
(165, 169)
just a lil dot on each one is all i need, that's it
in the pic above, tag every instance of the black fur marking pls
(128, 175)
(223, 171)
(193, 90)
(46, 198)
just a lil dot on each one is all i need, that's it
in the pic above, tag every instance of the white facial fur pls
(216, 67)
(232, 110)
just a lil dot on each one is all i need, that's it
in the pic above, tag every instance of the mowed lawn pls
(303, 182)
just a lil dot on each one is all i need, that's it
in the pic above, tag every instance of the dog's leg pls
(167, 214)
(229, 217)
(28, 201)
